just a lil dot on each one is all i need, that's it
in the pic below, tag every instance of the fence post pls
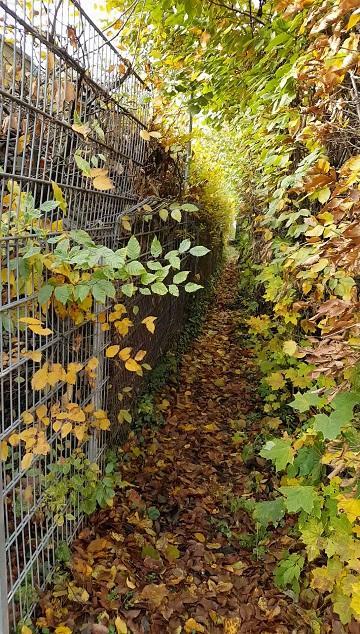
(4, 607)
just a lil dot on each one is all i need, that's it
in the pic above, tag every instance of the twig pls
(238, 11)
(355, 93)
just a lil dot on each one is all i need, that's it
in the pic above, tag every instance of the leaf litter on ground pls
(178, 552)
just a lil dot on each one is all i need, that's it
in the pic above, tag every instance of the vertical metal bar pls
(4, 607)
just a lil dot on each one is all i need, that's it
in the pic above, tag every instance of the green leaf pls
(299, 498)
(156, 248)
(279, 451)
(63, 293)
(191, 287)
(189, 207)
(270, 512)
(175, 261)
(81, 291)
(159, 288)
(344, 403)
(164, 214)
(154, 266)
(49, 205)
(45, 293)
(102, 289)
(180, 277)
(128, 289)
(328, 426)
(83, 165)
(303, 401)
(150, 551)
(199, 251)
(288, 571)
(184, 246)
(135, 268)
(153, 513)
(133, 248)
(176, 214)
(148, 278)
(173, 290)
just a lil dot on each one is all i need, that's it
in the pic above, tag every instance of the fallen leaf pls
(121, 626)
(154, 594)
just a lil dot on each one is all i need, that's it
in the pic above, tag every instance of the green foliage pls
(288, 571)
(279, 451)
(269, 512)
(76, 480)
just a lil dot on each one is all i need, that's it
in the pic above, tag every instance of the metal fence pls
(58, 73)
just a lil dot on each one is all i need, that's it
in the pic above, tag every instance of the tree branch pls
(238, 11)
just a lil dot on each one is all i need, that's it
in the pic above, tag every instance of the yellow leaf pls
(59, 196)
(40, 330)
(4, 450)
(29, 320)
(123, 326)
(149, 322)
(121, 626)
(79, 432)
(145, 135)
(125, 353)
(81, 128)
(66, 429)
(56, 374)
(56, 426)
(132, 366)
(39, 379)
(192, 626)
(27, 460)
(125, 221)
(355, 600)
(63, 629)
(353, 20)
(26, 630)
(290, 348)
(120, 309)
(14, 440)
(34, 355)
(23, 140)
(98, 171)
(41, 411)
(200, 537)
(140, 355)
(112, 351)
(350, 506)
(27, 418)
(92, 364)
(103, 183)
(74, 367)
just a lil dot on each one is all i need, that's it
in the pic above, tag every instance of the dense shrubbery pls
(284, 81)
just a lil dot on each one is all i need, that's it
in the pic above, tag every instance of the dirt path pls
(178, 553)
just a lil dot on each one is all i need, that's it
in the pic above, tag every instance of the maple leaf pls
(280, 451)
(276, 380)
(299, 498)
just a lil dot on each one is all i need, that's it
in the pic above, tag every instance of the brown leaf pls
(154, 594)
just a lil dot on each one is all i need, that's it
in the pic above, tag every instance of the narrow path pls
(177, 552)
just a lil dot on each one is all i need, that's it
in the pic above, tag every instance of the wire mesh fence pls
(65, 93)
